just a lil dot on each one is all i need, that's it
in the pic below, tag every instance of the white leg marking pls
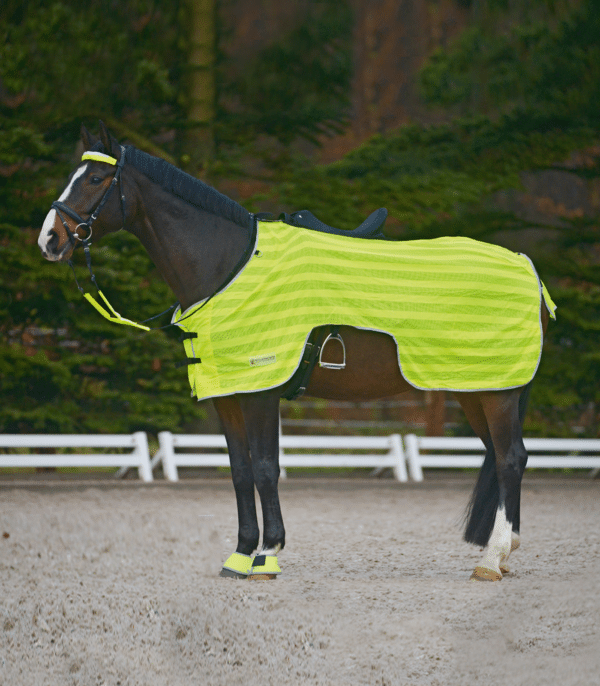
(515, 542)
(270, 551)
(48, 226)
(499, 545)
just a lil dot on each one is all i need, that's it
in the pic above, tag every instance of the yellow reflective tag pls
(115, 317)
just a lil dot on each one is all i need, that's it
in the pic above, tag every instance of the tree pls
(199, 26)
(62, 368)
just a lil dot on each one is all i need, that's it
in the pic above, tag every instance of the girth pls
(313, 352)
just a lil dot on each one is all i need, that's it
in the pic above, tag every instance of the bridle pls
(86, 242)
(61, 208)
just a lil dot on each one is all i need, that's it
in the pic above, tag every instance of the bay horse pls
(199, 240)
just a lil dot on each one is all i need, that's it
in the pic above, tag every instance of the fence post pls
(398, 453)
(165, 441)
(140, 441)
(412, 453)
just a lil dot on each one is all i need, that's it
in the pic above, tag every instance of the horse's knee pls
(266, 474)
(242, 477)
(513, 463)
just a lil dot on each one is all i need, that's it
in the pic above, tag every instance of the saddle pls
(370, 228)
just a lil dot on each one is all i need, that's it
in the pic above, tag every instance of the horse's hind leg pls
(239, 564)
(501, 409)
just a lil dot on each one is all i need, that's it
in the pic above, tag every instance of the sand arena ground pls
(118, 584)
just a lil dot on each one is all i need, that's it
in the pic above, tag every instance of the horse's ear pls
(87, 139)
(111, 145)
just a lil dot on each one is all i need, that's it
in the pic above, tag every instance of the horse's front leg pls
(261, 417)
(239, 564)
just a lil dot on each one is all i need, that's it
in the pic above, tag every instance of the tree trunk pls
(199, 24)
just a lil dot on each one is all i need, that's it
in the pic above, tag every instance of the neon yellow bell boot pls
(237, 566)
(264, 567)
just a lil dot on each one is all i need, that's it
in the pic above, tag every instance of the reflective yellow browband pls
(98, 157)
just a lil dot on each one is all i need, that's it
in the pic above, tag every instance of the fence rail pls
(406, 457)
(544, 453)
(384, 451)
(138, 457)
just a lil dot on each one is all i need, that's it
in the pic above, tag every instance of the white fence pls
(138, 456)
(544, 453)
(375, 452)
(390, 452)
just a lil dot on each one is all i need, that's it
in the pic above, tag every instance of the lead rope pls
(112, 315)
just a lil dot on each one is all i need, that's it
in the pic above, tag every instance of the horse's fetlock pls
(274, 540)
(248, 540)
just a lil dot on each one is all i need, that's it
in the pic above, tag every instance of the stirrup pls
(333, 365)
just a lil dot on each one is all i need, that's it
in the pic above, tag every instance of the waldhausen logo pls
(263, 360)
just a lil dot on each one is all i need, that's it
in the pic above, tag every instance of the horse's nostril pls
(53, 241)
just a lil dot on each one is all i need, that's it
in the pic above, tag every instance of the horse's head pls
(87, 205)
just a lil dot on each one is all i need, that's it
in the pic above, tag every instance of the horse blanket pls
(465, 315)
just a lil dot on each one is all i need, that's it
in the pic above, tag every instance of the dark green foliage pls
(298, 86)
(548, 59)
(63, 367)
(526, 89)
(429, 176)
(441, 181)
(69, 60)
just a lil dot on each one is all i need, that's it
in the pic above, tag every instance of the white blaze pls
(48, 225)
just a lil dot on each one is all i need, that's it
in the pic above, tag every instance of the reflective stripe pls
(465, 315)
(98, 157)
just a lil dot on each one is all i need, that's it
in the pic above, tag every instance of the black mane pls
(187, 187)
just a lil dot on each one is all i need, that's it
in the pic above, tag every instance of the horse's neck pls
(194, 251)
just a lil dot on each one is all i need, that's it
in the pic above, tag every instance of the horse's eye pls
(95, 180)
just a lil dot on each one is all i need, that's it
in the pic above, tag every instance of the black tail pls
(481, 511)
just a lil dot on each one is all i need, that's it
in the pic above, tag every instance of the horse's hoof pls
(504, 568)
(486, 574)
(230, 574)
(261, 577)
